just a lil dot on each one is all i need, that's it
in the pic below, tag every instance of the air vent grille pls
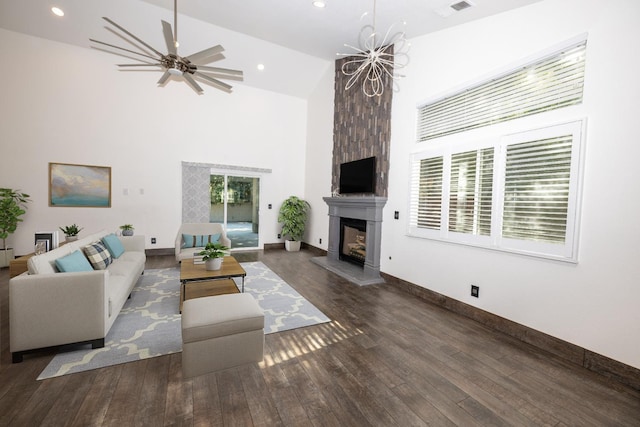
(461, 5)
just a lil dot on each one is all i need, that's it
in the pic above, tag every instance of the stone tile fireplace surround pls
(366, 208)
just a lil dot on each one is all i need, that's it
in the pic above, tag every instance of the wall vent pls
(458, 6)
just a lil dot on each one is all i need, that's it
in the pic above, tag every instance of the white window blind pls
(552, 82)
(429, 209)
(471, 192)
(536, 191)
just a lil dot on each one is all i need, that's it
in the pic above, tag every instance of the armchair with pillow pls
(192, 237)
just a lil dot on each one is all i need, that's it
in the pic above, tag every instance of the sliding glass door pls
(235, 203)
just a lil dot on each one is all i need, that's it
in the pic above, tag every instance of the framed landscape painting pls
(79, 185)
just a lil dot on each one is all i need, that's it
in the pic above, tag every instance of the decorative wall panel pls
(362, 127)
(196, 201)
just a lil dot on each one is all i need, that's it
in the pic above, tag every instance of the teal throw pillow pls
(198, 241)
(73, 262)
(113, 244)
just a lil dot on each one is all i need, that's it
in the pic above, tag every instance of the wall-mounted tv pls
(358, 176)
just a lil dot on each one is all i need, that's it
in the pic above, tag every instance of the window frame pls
(567, 252)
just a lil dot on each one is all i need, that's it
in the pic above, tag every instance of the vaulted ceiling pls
(293, 28)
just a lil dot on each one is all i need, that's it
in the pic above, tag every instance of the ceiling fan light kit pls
(372, 60)
(172, 64)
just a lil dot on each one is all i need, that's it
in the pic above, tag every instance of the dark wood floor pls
(386, 359)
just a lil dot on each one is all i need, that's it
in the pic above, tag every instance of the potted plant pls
(71, 232)
(12, 207)
(127, 230)
(212, 255)
(293, 216)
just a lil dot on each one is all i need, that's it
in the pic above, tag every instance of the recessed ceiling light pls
(260, 67)
(319, 3)
(57, 11)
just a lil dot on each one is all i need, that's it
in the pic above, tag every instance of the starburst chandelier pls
(374, 58)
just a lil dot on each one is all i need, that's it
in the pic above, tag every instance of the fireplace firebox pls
(353, 240)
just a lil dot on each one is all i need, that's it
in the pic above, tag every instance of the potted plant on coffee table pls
(12, 207)
(71, 232)
(293, 216)
(212, 255)
(127, 229)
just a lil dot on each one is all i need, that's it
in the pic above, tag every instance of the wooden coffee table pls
(209, 282)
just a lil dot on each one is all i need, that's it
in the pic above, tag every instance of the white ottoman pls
(221, 332)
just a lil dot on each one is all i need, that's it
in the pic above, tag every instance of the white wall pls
(70, 104)
(593, 304)
(319, 159)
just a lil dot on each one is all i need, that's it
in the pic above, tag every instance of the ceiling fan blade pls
(218, 70)
(139, 65)
(215, 82)
(192, 83)
(122, 48)
(130, 34)
(164, 78)
(168, 38)
(205, 53)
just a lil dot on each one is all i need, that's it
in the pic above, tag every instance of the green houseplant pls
(12, 207)
(71, 232)
(212, 255)
(293, 216)
(127, 229)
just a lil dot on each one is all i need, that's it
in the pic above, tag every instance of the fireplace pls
(353, 240)
(364, 214)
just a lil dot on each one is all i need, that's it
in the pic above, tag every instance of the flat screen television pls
(358, 176)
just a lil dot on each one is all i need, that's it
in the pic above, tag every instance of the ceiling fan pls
(188, 67)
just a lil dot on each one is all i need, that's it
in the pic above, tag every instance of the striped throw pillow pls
(197, 241)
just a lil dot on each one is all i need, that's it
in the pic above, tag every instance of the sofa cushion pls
(114, 245)
(75, 261)
(98, 255)
(198, 240)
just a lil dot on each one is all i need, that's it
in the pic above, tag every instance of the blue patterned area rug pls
(149, 323)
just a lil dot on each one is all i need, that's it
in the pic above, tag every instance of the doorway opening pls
(234, 203)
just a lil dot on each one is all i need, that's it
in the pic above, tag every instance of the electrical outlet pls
(475, 291)
(279, 236)
(153, 240)
(320, 240)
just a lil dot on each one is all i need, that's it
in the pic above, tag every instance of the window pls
(548, 83)
(470, 193)
(518, 193)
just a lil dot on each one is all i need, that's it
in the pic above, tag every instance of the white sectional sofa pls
(49, 308)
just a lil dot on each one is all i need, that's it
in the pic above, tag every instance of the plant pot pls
(70, 238)
(292, 245)
(213, 264)
(6, 255)
(127, 232)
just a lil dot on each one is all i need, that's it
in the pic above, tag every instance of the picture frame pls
(85, 186)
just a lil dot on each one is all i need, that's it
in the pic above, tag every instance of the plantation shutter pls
(536, 189)
(471, 192)
(553, 82)
(427, 182)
